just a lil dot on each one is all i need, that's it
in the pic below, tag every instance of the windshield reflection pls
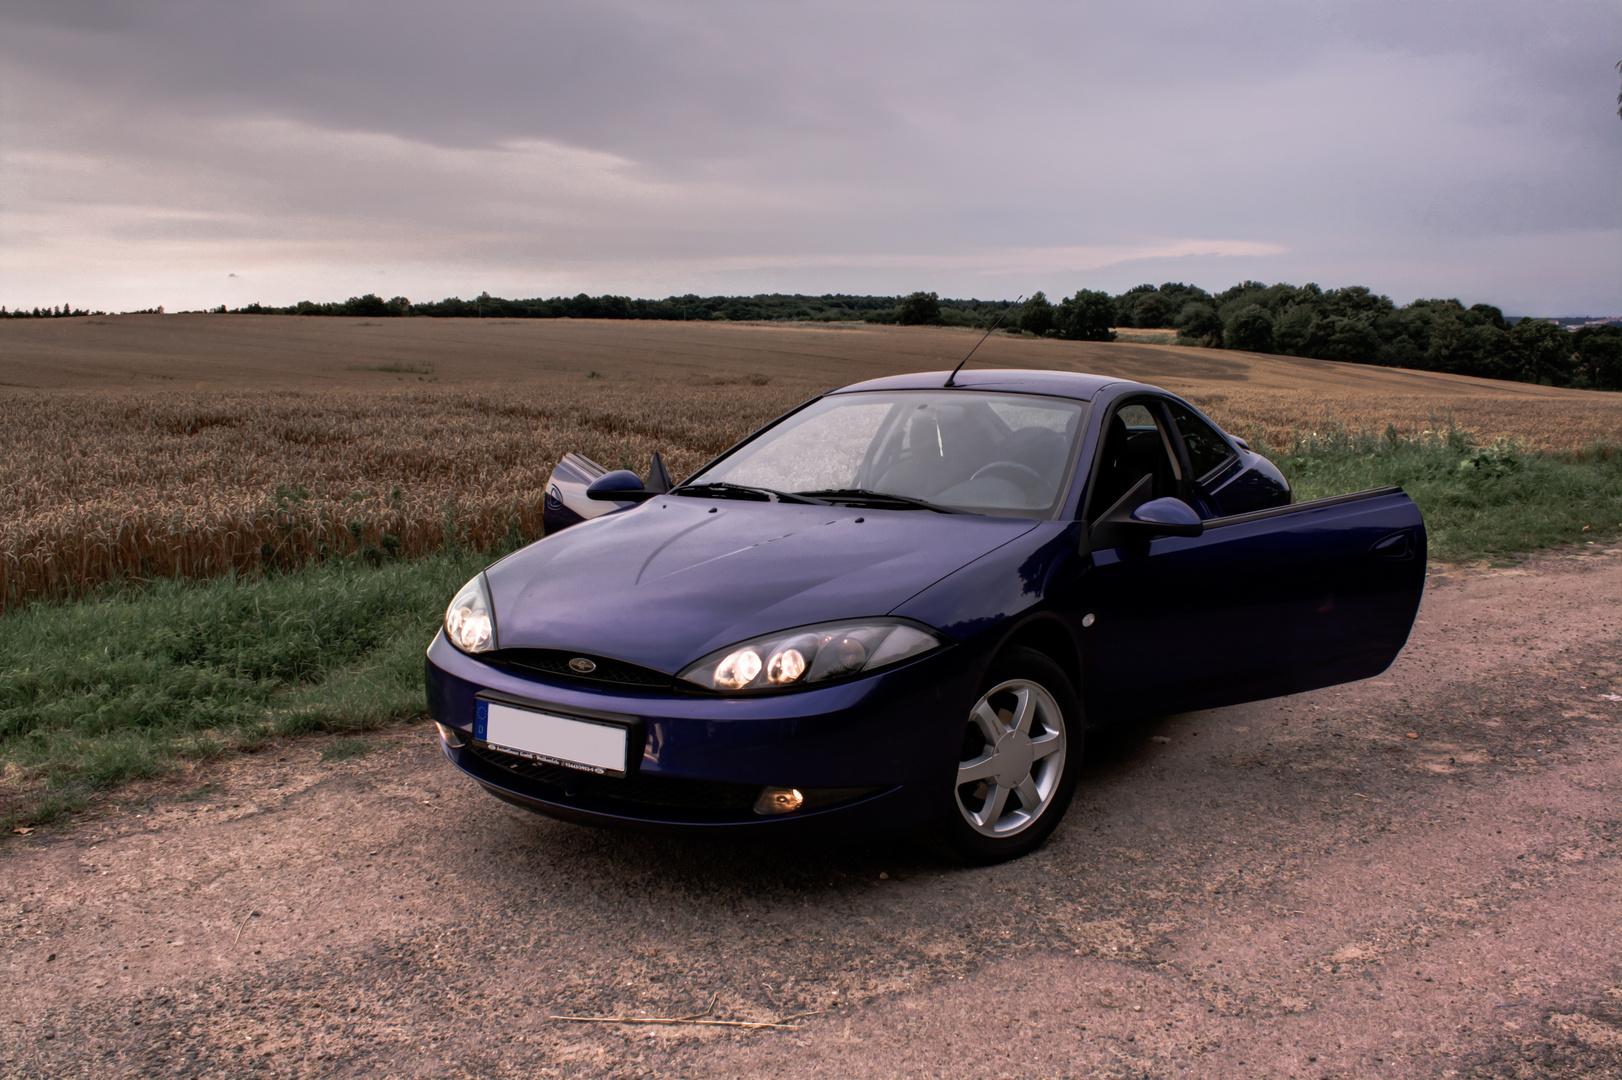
(1004, 454)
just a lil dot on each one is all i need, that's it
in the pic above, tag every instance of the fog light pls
(779, 800)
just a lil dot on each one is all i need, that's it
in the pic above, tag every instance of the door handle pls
(1398, 545)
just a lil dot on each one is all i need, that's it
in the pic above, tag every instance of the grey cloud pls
(1387, 140)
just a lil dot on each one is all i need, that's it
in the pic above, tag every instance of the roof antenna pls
(982, 340)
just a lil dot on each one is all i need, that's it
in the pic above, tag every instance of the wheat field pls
(122, 485)
(191, 446)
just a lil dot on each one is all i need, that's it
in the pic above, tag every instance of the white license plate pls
(557, 740)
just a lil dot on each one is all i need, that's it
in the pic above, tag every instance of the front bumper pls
(890, 742)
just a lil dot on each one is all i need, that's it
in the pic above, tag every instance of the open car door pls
(1256, 605)
(1259, 605)
(566, 500)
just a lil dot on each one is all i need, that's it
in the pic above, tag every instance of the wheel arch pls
(1049, 636)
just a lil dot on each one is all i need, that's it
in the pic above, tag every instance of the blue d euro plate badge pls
(590, 745)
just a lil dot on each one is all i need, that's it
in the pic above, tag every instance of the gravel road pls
(1412, 876)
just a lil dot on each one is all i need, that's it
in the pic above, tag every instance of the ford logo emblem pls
(581, 666)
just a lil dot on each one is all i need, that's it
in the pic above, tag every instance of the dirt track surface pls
(1291, 888)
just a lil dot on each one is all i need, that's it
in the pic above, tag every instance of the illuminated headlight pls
(812, 654)
(470, 621)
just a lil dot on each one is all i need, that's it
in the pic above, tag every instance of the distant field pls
(1272, 394)
(188, 445)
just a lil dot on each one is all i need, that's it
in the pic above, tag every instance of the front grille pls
(558, 784)
(555, 662)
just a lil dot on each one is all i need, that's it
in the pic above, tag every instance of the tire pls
(1012, 786)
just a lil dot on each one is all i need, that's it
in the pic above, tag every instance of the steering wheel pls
(1027, 479)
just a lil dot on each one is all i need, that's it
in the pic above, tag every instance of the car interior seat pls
(1040, 449)
(1128, 457)
(943, 450)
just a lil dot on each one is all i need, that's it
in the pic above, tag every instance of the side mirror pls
(1165, 517)
(621, 485)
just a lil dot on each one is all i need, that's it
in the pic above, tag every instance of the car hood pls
(665, 583)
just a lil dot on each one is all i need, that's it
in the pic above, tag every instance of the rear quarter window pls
(1207, 450)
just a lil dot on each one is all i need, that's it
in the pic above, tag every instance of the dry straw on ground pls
(298, 438)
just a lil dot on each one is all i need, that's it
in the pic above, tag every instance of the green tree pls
(1351, 341)
(1545, 352)
(1126, 305)
(1599, 350)
(1357, 302)
(1086, 316)
(370, 305)
(1296, 331)
(1400, 350)
(1493, 350)
(1176, 295)
(1151, 311)
(919, 309)
(1250, 328)
(1036, 314)
(1465, 342)
(1199, 321)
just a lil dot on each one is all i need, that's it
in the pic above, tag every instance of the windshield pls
(1006, 454)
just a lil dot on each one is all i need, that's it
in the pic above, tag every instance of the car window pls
(1133, 447)
(1206, 449)
(980, 451)
(1137, 417)
(1021, 415)
(817, 448)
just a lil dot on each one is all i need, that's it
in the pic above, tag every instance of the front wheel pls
(1019, 760)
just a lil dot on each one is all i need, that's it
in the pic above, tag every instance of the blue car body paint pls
(1270, 599)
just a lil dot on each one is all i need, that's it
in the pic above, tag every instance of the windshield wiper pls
(882, 499)
(722, 487)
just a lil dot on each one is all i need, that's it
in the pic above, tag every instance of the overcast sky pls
(191, 153)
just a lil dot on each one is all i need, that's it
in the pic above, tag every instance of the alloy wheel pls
(1012, 760)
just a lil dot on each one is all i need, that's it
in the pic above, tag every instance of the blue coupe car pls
(903, 605)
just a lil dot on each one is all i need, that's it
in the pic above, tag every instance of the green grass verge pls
(123, 685)
(1480, 502)
(120, 686)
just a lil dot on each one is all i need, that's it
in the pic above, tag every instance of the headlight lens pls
(812, 654)
(470, 621)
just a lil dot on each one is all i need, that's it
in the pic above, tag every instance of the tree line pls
(1356, 325)
(830, 307)
(66, 311)
(1352, 324)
